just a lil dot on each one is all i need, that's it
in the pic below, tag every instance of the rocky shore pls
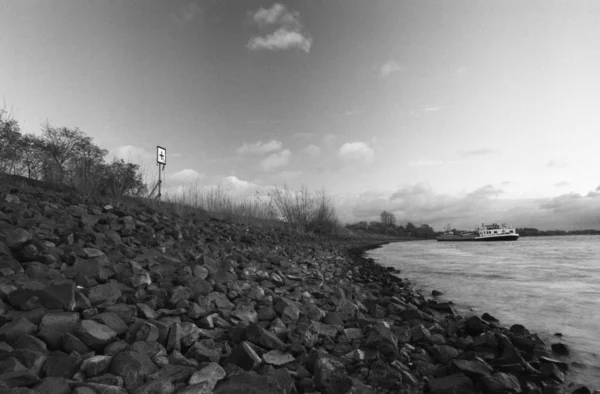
(96, 298)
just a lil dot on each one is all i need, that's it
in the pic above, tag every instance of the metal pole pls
(159, 181)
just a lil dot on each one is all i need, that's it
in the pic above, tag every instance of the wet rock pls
(560, 349)
(474, 325)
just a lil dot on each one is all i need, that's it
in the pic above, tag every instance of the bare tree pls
(10, 135)
(387, 219)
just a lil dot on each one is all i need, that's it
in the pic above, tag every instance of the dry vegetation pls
(68, 159)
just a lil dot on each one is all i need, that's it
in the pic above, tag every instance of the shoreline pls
(534, 359)
(127, 299)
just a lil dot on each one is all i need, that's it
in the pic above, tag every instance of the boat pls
(489, 232)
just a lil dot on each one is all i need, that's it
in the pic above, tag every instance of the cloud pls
(425, 163)
(237, 183)
(557, 163)
(477, 152)
(185, 176)
(276, 160)
(419, 204)
(260, 147)
(356, 151)
(188, 12)
(131, 153)
(388, 68)
(288, 31)
(485, 192)
(281, 39)
(312, 150)
(562, 184)
(432, 109)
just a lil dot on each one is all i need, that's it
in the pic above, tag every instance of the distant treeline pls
(534, 232)
(387, 225)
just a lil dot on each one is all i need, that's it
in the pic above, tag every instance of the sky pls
(437, 111)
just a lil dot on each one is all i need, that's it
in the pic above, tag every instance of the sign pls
(161, 155)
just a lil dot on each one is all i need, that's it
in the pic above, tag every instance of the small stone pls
(277, 358)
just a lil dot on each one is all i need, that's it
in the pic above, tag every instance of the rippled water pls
(548, 284)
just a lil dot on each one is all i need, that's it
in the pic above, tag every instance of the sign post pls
(161, 160)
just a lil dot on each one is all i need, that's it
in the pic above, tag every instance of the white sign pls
(161, 155)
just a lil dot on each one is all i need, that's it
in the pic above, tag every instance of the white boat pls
(489, 232)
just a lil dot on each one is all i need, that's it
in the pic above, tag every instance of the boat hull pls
(458, 238)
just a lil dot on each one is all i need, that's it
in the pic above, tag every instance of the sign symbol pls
(161, 155)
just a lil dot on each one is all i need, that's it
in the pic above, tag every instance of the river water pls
(548, 284)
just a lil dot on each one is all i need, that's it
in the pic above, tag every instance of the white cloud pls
(289, 32)
(131, 153)
(312, 150)
(277, 14)
(260, 147)
(281, 39)
(185, 176)
(357, 151)
(237, 183)
(389, 68)
(276, 160)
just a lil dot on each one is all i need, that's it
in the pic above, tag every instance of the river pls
(548, 284)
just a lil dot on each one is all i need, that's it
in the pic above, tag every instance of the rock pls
(383, 376)
(22, 378)
(277, 358)
(133, 367)
(61, 365)
(500, 383)
(382, 338)
(96, 365)
(51, 385)
(250, 384)
(244, 356)
(162, 386)
(452, 384)
(489, 318)
(472, 368)
(436, 293)
(474, 325)
(209, 374)
(94, 335)
(331, 376)
(17, 238)
(560, 349)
